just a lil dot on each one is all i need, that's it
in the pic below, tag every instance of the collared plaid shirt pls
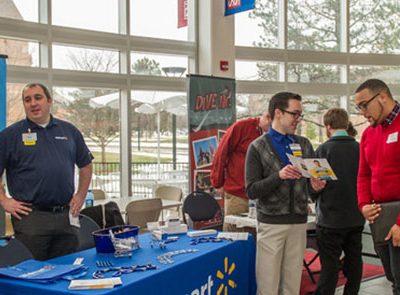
(393, 114)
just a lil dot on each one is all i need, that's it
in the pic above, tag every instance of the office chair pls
(168, 192)
(201, 211)
(13, 252)
(139, 212)
(85, 237)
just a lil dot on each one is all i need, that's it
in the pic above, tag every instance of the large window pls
(20, 9)
(159, 65)
(82, 59)
(100, 15)
(312, 47)
(160, 139)
(22, 53)
(155, 18)
(313, 73)
(95, 112)
(257, 70)
(374, 26)
(314, 25)
(258, 27)
(390, 74)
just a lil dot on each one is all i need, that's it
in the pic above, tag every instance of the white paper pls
(107, 283)
(313, 167)
(234, 236)
(74, 221)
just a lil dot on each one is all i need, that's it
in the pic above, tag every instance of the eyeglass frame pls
(363, 106)
(296, 115)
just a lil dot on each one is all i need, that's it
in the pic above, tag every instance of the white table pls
(245, 221)
(123, 202)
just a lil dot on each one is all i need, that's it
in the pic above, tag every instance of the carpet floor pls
(369, 271)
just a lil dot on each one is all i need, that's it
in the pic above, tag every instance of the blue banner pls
(235, 6)
(3, 104)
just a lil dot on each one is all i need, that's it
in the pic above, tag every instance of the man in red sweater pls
(227, 174)
(379, 170)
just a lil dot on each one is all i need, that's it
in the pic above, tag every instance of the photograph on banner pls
(221, 133)
(202, 181)
(203, 150)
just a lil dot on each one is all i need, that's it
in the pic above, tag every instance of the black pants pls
(390, 257)
(331, 243)
(46, 234)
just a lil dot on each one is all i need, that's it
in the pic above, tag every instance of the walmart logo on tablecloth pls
(223, 276)
(226, 283)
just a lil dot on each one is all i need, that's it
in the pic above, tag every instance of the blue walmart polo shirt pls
(41, 171)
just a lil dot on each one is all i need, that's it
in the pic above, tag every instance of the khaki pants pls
(234, 205)
(279, 258)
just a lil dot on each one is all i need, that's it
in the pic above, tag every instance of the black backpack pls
(112, 215)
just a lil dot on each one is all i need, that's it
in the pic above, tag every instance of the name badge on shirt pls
(393, 137)
(29, 138)
(296, 149)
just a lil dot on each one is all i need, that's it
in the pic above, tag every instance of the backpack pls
(106, 215)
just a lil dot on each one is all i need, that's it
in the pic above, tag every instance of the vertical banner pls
(3, 116)
(182, 13)
(211, 110)
(235, 6)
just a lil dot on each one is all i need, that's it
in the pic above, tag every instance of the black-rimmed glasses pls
(362, 106)
(296, 115)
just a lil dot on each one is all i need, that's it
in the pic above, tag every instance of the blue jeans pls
(390, 257)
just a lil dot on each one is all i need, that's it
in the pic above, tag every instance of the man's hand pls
(317, 184)
(76, 204)
(394, 234)
(16, 208)
(371, 212)
(220, 191)
(289, 172)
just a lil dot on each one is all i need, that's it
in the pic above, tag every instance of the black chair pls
(311, 244)
(13, 252)
(201, 211)
(85, 236)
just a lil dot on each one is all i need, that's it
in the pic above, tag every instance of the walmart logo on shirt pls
(61, 137)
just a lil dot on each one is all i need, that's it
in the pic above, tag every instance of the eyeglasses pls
(363, 106)
(296, 115)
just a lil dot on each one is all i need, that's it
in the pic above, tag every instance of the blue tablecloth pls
(192, 273)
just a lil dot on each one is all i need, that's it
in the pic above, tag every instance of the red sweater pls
(229, 159)
(379, 170)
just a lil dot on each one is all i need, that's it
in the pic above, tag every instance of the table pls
(245, 221)
(123, 202)
(205, 272)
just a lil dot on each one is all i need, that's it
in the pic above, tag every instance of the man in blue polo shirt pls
(39, 155)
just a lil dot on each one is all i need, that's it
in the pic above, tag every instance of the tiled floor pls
(379, 286)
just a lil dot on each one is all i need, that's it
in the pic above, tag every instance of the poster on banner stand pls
(3, 119)
(211, 110)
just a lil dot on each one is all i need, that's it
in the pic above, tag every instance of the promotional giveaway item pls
(120, 240)
(39, 271)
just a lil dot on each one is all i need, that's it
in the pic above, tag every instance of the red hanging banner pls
(182, 13)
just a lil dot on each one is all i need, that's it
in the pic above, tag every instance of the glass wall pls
(321, 49)
(84, 59)
(158, 19)
(27, 10)
(91, 63)
(99, 15)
